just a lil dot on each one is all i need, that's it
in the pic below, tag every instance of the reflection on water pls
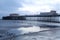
(28, 30)
(43, 35)
(51, 34)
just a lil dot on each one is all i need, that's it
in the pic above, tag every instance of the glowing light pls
(30, 29)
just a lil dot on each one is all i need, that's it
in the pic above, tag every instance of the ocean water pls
(28, 30)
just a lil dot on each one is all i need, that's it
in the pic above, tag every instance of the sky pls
(28, 7)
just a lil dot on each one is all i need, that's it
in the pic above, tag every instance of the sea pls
(28, 30)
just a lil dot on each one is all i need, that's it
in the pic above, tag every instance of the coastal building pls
(52, 12)
(44, 16)
(13, 17)
(14, 14)
(51, 16)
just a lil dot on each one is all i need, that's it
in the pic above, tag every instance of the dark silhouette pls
(14, 17)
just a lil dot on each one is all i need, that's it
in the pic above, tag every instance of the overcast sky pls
(28, 6)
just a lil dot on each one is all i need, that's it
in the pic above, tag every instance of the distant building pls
(49, 16)
(14, 14)
(13, 17)
(44, 16)
(49, 13)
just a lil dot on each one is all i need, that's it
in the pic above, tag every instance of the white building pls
(45, 16)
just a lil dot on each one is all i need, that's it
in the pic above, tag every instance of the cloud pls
(9, 5)
(40, 5)
(28, 6)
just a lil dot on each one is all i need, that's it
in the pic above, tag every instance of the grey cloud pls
(9, 5)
